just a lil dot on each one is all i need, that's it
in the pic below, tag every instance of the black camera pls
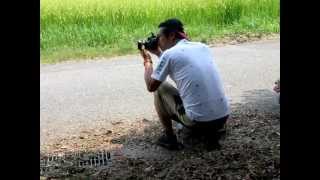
(150, 44)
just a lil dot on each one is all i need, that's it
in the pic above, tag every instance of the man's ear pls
(172, 36)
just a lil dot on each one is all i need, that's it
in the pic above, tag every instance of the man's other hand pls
(146, 56)
(156, 52)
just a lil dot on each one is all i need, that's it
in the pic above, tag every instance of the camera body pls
(150, 44)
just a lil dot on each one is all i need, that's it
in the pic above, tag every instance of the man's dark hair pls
(172, 25)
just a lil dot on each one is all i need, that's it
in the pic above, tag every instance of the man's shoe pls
(169, 142)
(212, 144)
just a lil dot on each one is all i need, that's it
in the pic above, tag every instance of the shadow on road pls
(262, 100)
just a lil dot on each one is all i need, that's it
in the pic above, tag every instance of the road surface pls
(84, 95)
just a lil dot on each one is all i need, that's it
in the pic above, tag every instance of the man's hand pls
(276, 89)
(144, 53)
(146, 56)
(156, 52)
(277, 86)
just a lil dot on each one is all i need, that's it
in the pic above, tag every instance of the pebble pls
(148, 169)
(108, 132)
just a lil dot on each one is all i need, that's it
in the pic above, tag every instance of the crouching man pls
(199, 101)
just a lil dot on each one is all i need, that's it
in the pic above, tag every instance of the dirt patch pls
(249, 150)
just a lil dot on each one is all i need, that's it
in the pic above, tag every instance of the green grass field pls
(73, 29)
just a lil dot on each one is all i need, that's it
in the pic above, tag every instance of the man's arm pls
(152, 84)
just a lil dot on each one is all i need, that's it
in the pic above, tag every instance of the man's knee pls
(157, 99)
(167, 88)
(161, 90)
(163, 86)
(158, 96)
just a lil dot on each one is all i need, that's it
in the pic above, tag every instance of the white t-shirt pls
(191, 66)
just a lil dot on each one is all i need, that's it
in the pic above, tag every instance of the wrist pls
(147, 59)
(147, 62)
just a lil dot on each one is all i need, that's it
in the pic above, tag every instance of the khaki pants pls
(168, 100)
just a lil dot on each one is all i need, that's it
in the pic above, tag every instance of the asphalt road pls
(85, 95)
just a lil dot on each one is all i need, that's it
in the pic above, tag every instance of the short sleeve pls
(162, 70)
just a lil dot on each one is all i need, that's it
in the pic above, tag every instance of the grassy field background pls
(76, 29)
